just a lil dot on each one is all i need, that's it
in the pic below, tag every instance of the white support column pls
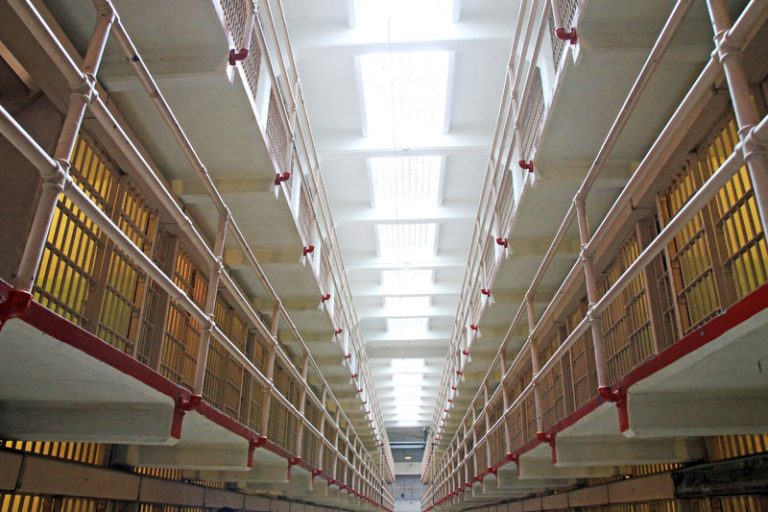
(53, 184)
(210, 303)
(744, 109)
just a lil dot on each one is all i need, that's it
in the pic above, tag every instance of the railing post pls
(53, 184)
(334, 472)
(598, 343)
(302, 404)
(505, 405)
(747, 116)
(652, 291)
(535, 363)
(217, 267)
(487, 426)
(321, 446)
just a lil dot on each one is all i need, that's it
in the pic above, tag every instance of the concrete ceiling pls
(329, 39)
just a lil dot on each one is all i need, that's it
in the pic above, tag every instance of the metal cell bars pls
(92, 210)
(278, 136)
(182, 330)
(737, 228)
(225, 376)
(718, 182)
(122, 298)
(626, 323)
(567, 11)
(66, 271)
(532, 116)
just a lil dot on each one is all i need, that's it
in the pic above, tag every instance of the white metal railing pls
(460, 452)
(54, 172)
(514, 135)
(271, 23)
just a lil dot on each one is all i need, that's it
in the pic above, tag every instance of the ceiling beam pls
(384, 312)
(353, 144)
(414, 351)
(327, 41)
(354, 214)
(361, 262)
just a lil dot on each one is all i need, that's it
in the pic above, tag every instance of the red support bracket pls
(567, 35)
(317, 472)
(459, 373)
(492, 470)
(526, 165)
(331, 481)
(338, 330)
(252, 445)
(280, 178)
(14, 305)
(237, 56)
(474, 327)
(486, 291)
(453, 387)
(478, 478)
(502, 242)
(468, 485)
(182, 406)
(465, 352)
(325, 297)
(545, 437)
(619, 397)
(354, 375)
(347, 356)
(512, 457)
(309, 249)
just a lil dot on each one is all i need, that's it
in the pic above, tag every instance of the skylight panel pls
(406, 241)
(405, 183)
(405, 305)
(403, 281)
(407, 328)
(405, 94)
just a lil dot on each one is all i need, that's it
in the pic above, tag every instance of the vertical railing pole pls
(535, 363)
(302, 404)
(744, 109)
(321, 446)
(486, 408)
(210, 304)
(270, 370)
(598, 343)
(53, 184)
(505, 405)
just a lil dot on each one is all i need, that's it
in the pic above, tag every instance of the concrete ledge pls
(50, 476)
(597, 495)
(10, 465)
(257, 503)
(555, 501)
(532, 505)
(219, 498)
(656, 487)
(155, 490)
